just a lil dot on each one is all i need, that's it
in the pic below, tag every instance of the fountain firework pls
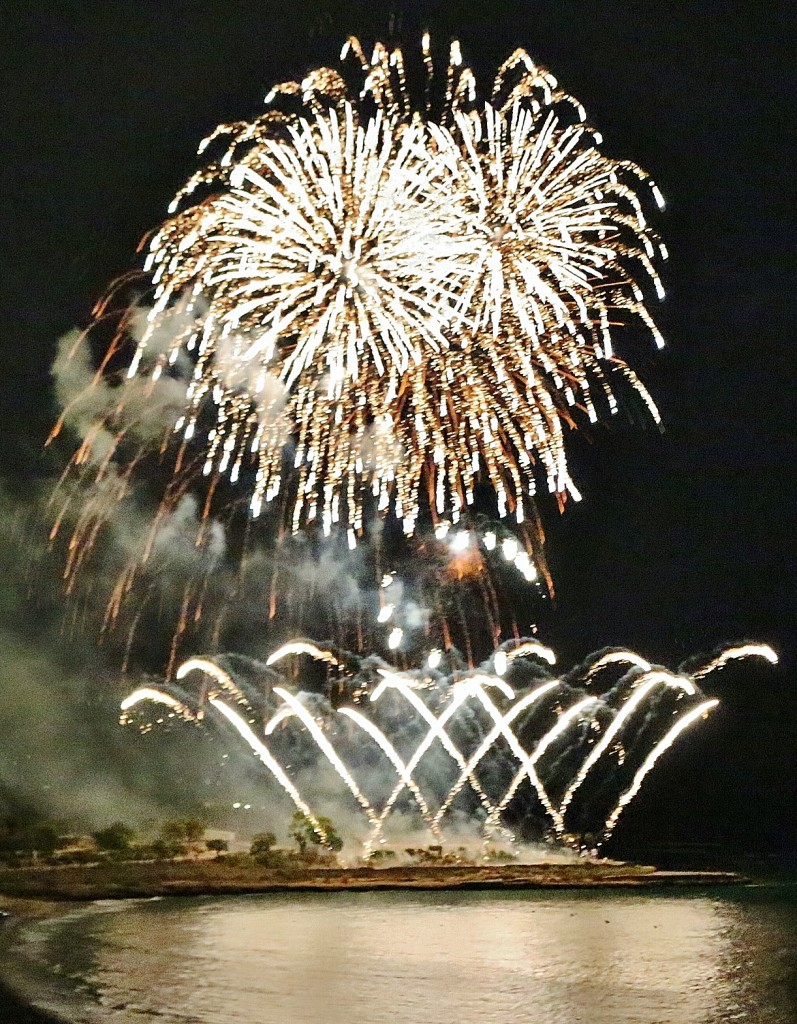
(507, 743)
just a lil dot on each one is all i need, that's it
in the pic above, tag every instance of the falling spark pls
(385, 613)
(461, 541)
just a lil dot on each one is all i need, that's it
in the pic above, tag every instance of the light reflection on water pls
(345, 958)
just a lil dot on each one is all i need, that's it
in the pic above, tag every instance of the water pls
(447, 958)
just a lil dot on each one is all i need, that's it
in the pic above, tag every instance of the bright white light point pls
(434, 658)
(509, 548)
(489, 541)
(461, 541)
(247, 807)
(236, 806)
(387, 579)
(395, 638)
(441, 530)
(385, 613)
(524, 565)
(500, 662)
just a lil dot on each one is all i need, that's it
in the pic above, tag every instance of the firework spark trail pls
(473, 686)
(477, 685)
(498, 729)
(556, 236)
(402, 771)
(701, 711)
(224, 679)
(736, 654)
(243, 730)
(158, 697)
(642, 687)
(560, 727)
(336, 236)
(437, 731)
(302, 647)
(327, 750)
(529, 649)
(210, 668)
(268, 760)
(616, 658)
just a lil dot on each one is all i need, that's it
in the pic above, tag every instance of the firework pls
(556, 242)
(384, 299)
(526, 746)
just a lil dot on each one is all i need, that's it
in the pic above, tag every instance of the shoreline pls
(137, 880)
(24, 995)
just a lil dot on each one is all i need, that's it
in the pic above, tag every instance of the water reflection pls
(449, 958)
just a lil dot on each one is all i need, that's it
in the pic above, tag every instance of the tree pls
(182, 831)
(218, 845)
(164, 850)
(193, 830)
(304, 833)
(262, 843)
(117, 836)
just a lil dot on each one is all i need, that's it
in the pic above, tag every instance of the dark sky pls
(685, 539)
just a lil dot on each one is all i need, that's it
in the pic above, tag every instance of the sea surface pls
(555, 957)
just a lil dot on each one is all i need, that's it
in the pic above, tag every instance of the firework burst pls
(397, 298)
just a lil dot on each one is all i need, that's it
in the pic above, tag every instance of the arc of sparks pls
(650, 761)
(436, 731)
(735, 654)
(327, 750)
(504, 722)
(643, 687)
(401, 770)
(561, 726)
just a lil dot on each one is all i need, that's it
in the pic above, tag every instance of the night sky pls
(684, 539)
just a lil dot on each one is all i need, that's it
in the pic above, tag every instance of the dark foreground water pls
(433, 958)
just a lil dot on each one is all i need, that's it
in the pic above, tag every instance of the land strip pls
(198, 878)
